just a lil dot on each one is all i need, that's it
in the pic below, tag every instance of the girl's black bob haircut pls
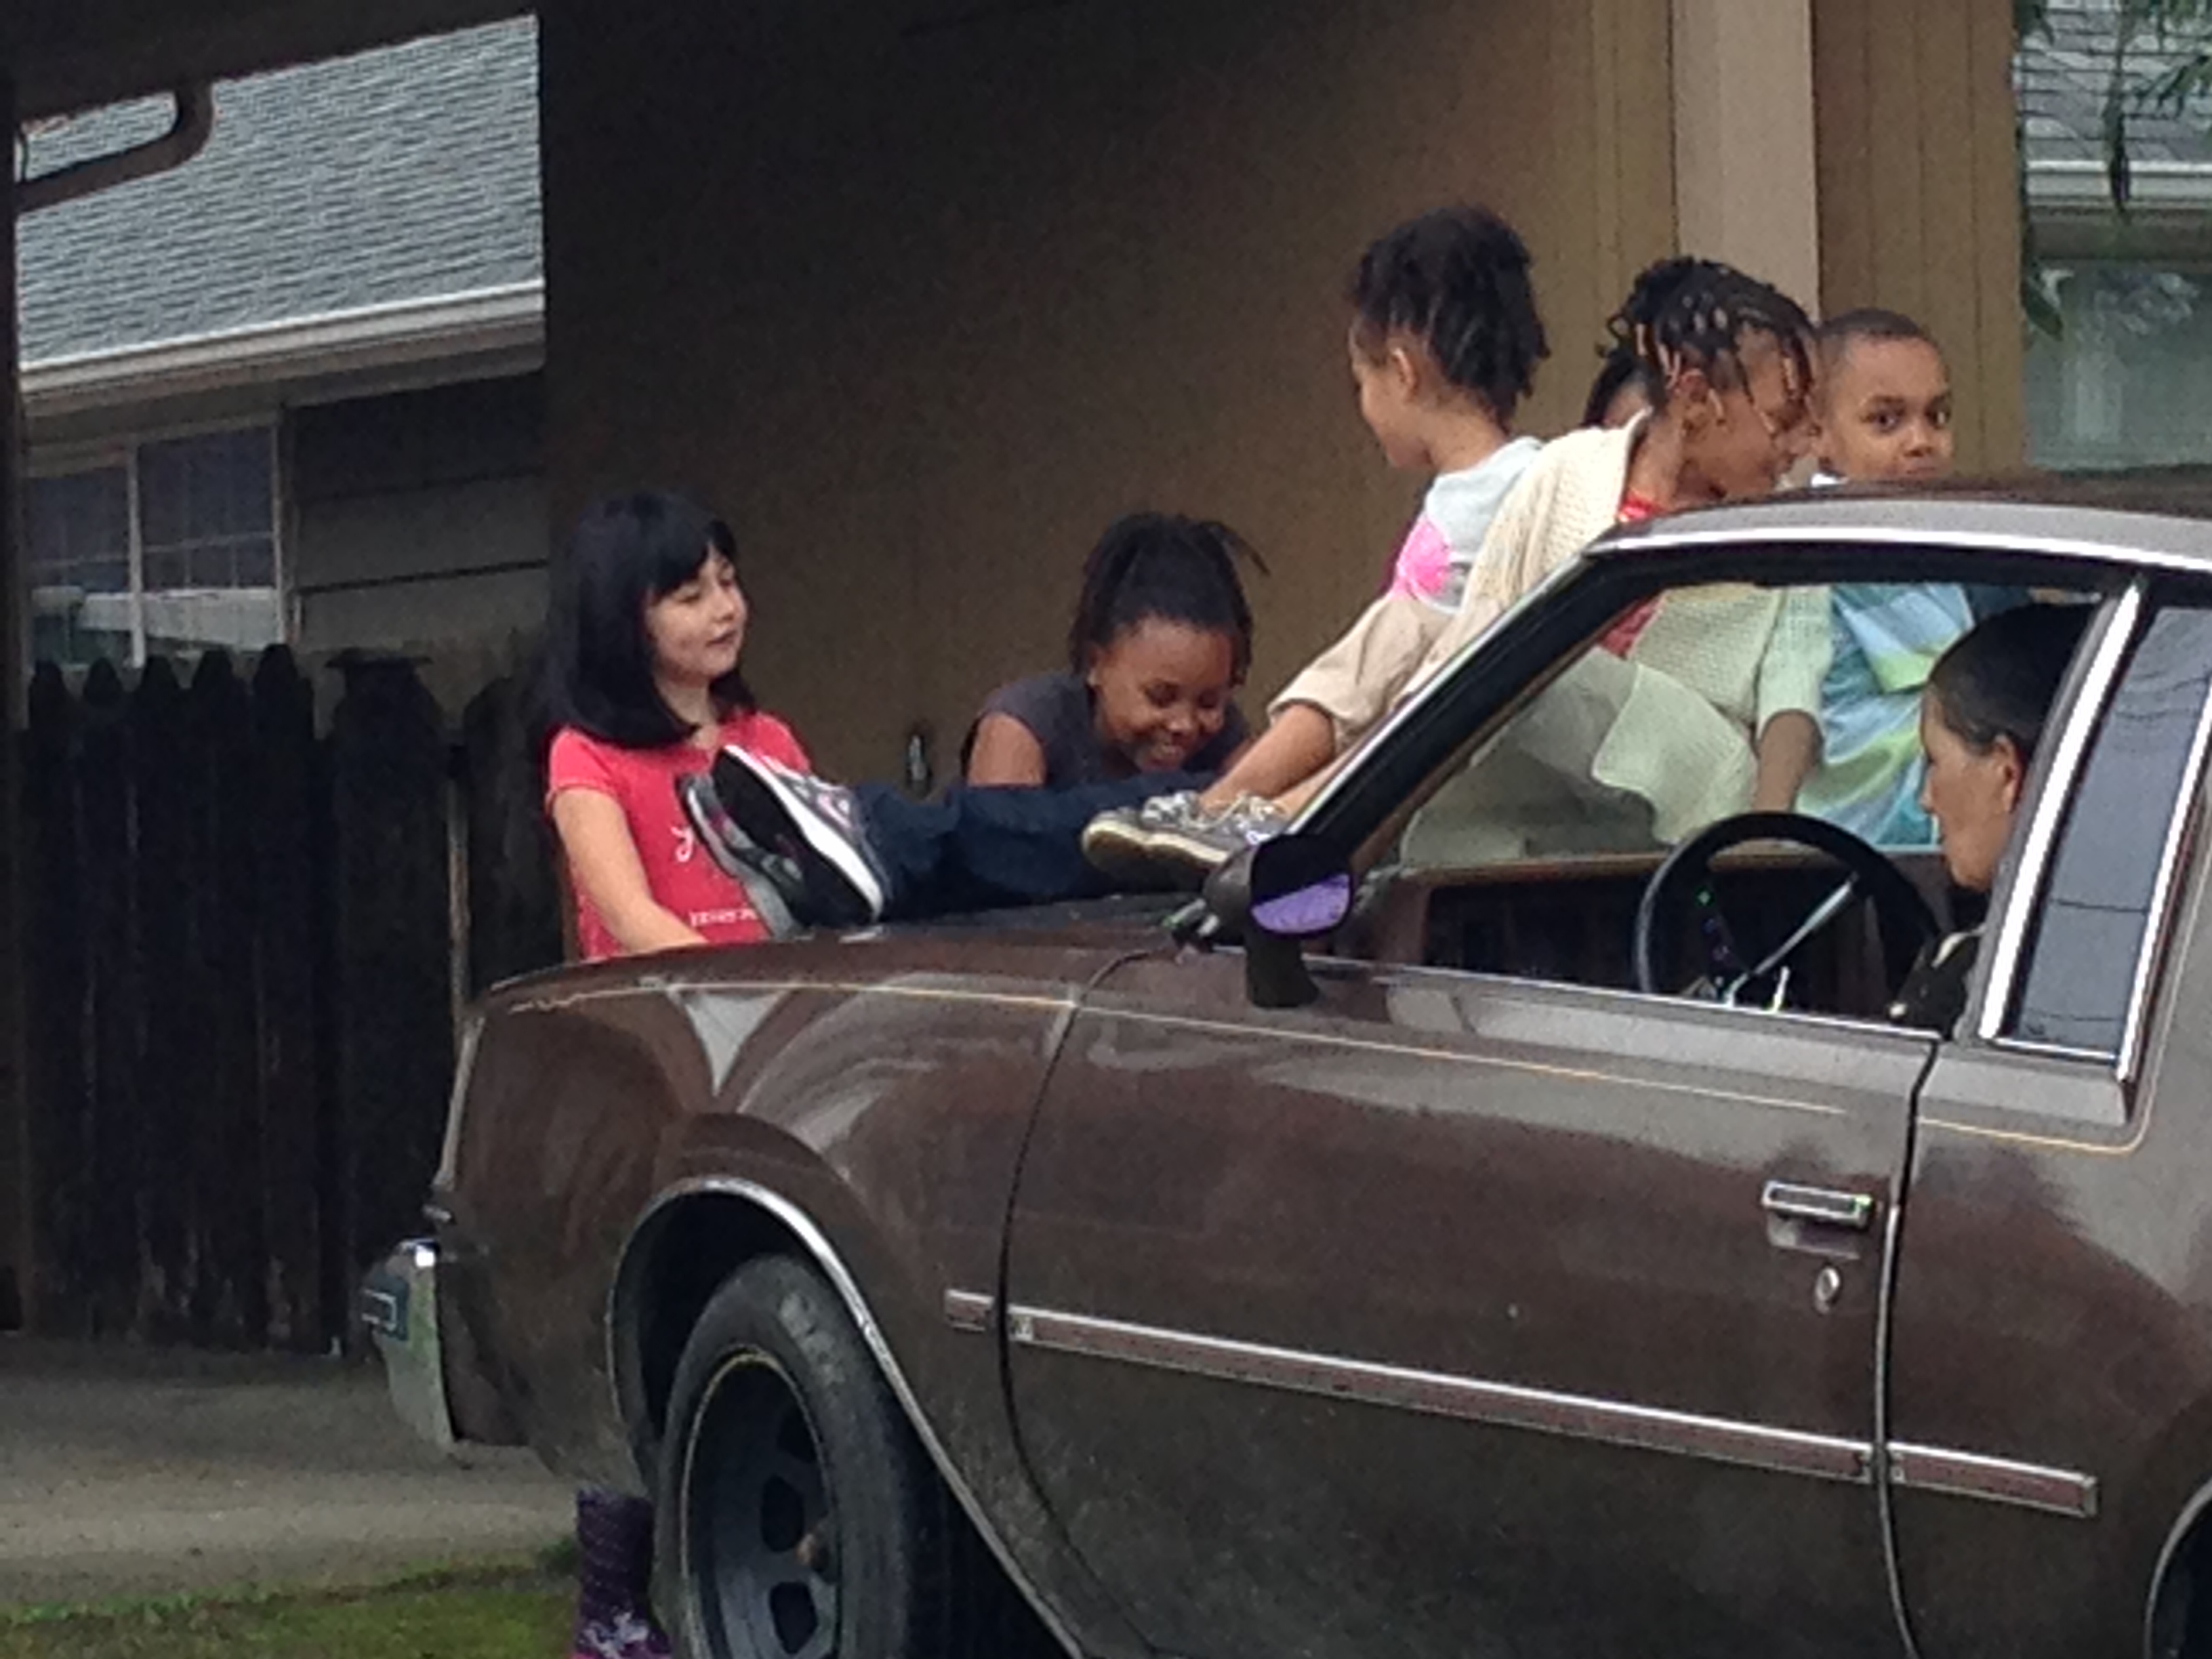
(627, 551)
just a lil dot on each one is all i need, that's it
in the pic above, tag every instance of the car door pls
(2053, 1360)
(1461, 1313)
(1455, 1315)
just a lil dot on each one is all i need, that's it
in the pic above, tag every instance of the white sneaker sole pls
(1144, 857)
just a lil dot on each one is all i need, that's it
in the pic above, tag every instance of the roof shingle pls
(405, 173)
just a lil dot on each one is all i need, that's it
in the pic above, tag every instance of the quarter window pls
(2096, 909)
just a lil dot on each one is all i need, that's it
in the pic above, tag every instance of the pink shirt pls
(682, 878)
(1438, 551)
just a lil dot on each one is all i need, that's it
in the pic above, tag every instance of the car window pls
(2096, 909)
(1654, 730)
(1534, 856)
(1648, 734)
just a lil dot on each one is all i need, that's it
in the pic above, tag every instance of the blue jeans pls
(984, 849)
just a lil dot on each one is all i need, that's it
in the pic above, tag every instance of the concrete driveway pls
(129, 1472)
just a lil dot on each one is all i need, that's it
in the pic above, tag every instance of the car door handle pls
(1820, 1206)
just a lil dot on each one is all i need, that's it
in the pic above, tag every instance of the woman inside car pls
(1981, 721)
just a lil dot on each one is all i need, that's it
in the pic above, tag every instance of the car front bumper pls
(398, 1304)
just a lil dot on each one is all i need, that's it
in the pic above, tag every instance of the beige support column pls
(1920, 191)
(1746, 168)
(15, 1122)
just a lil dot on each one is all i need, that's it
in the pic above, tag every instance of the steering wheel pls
(1681, 889)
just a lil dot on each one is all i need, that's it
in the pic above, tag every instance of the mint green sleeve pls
(1799, 648)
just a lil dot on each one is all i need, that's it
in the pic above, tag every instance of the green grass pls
(515, 1611)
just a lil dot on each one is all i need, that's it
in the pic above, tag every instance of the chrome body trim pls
(2158, 929)
(449, 1146)
(1934, 537)
(397, 1302)
(2060, 776)
(2027, 1049)
(1542, 1411)
(2001, 1480)
(968, 1312)
(1503, 1405)
(825, 1257)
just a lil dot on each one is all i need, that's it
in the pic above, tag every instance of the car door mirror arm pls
(1273, 896)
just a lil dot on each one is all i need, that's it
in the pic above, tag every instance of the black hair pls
(1697, 313)
(1619, 369)
(627, 551)
(1165, 565)
(1836, 336)
(1867, 323)
(1456, 279)
(1999, 679)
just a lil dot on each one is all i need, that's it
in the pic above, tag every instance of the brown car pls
(1506, 1269)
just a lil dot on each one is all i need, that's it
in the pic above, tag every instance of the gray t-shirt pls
(1056, 709)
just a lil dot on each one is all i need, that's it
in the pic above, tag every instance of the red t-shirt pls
(642, 782)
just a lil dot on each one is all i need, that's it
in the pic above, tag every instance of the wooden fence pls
(243, 962)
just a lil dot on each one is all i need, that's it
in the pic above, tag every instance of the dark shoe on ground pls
(1173, 842)
(802, 834)
(631, 1635)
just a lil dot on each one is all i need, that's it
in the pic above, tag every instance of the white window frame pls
(121, 450)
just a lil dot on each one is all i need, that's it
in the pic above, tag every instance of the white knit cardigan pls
(1569, 497)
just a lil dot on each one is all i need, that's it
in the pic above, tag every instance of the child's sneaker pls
(1172, 840)
(767, 813)
(774, 885)
(626, 1636)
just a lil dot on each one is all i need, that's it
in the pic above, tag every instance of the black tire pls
(800, 1518)
(2181, 1615)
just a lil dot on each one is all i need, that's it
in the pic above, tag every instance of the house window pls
(168, 546)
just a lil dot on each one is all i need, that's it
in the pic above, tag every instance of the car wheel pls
(801, 1517)
(2181, 1616)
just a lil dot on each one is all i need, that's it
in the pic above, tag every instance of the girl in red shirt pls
(645, 688)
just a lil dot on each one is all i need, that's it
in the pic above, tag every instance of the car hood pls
(1037, 946)
(1137, 917)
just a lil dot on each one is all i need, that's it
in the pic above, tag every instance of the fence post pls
(165, 870)
(229, 1290)
(104, 796)
(57, 1068)
(286, 923)
(514, 901)
(392, 959)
